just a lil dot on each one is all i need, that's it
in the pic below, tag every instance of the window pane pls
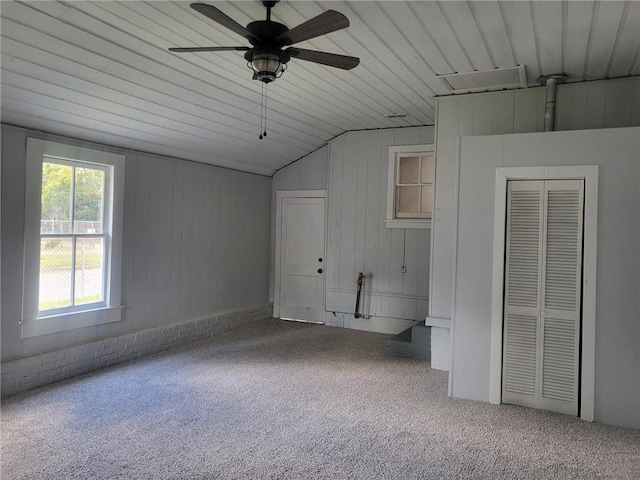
(89, 270)
(56, 198)
(409, 170)
(55, 273)
(408, 200)
(427, 173)
(89, 190)
(426, 202)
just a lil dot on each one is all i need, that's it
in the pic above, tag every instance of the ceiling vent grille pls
(396, 115)
(486, 80)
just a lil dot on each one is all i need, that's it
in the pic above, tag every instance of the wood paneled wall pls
(616, 361)
(195, 243)
(602, 104)
(358, 240)
(307, 173)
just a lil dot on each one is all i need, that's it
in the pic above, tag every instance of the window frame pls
(35, 322)
(74, 236)
(395, 152)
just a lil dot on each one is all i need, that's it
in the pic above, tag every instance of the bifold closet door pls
(543, 276)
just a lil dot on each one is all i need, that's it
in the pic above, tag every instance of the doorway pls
(300, 256)
(589, 174)
(543, 289)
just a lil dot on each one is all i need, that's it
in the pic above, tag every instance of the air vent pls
(484, 80)
(396, 115)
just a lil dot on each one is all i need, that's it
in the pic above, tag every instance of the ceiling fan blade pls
(208, 49)
(223, 19)
(331, 59)
(326, 22)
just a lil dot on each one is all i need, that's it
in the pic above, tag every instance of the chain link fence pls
(63, 226)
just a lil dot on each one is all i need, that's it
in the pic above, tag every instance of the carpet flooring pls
(280, 400)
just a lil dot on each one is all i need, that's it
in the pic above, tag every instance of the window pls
(73, 237)
(410, 194)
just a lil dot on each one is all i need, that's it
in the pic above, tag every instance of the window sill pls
(70, 321)
(408, 223)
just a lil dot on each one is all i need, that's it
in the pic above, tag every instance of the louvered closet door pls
(525, 226)
(543, 294)
(561, 295)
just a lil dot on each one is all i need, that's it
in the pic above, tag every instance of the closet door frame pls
(589, 174)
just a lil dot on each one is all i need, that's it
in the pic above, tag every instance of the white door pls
(302, 258)
(543, 278)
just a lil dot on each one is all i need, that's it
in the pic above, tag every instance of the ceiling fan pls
(267, 56)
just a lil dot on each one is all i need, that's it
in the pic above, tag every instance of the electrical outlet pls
(403, 268)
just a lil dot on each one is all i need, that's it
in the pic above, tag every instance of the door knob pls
(319, 270)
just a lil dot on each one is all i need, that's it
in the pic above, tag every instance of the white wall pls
(353, 167)
(358, 240)
(602, 104)
(195, 243)
(617, 153)
(308, 173)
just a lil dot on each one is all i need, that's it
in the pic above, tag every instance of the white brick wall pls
(440, 348)
(30, 372)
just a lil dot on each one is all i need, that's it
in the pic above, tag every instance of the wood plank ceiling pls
(100, 71)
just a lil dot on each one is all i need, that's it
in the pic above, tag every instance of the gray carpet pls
(282, 400)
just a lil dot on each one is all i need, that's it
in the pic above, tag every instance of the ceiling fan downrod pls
(269, 5)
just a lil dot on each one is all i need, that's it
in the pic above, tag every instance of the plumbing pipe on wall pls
(360, 281)
(551, 82)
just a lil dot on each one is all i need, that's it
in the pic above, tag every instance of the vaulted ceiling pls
(100, 71)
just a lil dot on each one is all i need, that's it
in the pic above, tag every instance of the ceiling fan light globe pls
(266, 66)
(266, 62)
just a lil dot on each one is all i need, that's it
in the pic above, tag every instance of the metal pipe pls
(551, 82)
(550, 107)
(357, 313)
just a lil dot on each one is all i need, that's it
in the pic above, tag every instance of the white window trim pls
(390, 220)
(32, 324)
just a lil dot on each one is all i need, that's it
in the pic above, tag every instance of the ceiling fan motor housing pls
(266, 58)
(266, 31)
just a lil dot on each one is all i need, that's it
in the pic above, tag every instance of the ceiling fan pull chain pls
(266, 95)
(261, 107)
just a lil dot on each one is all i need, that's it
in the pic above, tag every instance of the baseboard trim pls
(387, 325)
